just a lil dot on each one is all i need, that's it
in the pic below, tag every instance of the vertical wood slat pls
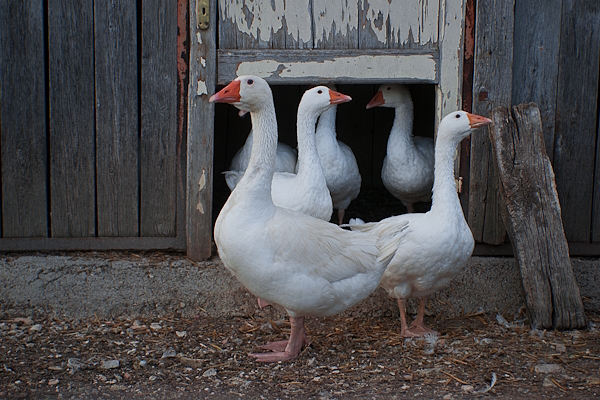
(398, 24)
(596, 196)
(492, 81)
(203, 63)
(264, 24)
(335, 24)
(72, 142)
(23, 119)
(535, 69)
(576, 111)
(116, 118)
(158, 172)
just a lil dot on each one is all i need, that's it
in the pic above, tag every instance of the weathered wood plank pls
(576, 109)
(492, 80)
(72, 141)
(596, 210)
(335, 24)
(116, 118)
(203, 55)
(23, 123)
(265, 24)
(532, 216)
(398, 24)
(158, 163)
(304, 67)
(535, 69)
(92, 243)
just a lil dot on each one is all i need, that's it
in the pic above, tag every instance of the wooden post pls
(203, 61)
(532, 216)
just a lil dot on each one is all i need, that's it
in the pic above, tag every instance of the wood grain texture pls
(158, 164)
(492, 81)
(265, 24)
(203, 54)
(335, 24)
(535, 69)
(398, 24)
(23, 124)
(576, 110)
(72, 141)
(532, 216)
(116, 118)
(596, 196)
(302, 67)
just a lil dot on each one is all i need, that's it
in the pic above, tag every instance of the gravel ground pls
(473, 356)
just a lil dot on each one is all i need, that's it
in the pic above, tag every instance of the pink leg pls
(292, 348)
(262, 303)
(341, 216)
(418, 326)
(404, 330)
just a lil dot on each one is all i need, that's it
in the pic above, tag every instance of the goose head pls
(247, 93)
(392, 96)
(460, 124)
(319, 99)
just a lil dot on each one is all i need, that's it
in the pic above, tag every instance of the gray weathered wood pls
(492, 79)
(535, 69)
(71, 63)
(158, 164)
(335, 24)
(307, 67)
(116, 118)
(532, 216)
(23, 123)
(200, 135)
(93, 243)
(576, 110)
(596, 210)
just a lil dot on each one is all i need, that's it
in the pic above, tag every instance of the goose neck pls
(327, 121)
(444, 195)
(402, 128)
(307, 148)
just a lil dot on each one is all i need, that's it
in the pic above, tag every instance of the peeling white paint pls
(199, 37)
(418, 18)
(200, 208)
(202, 181)
(334, 18)
(421, 67)
(203, 61)
(201, 88)
(260, 19)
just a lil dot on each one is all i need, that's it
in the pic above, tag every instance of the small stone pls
(143, 363)
(561, 348)
(53, 382)
(24, 321)
(447, 397)
(209, 372)
(182, 305)
(181, 334)
(127, 376)
(110, 364)
(152, 378)
(169, 353)
(548, 382)
(548, 368)
(155, 326)
(36, 328)
(467, 388)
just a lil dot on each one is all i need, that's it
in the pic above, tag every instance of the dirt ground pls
(474, 356)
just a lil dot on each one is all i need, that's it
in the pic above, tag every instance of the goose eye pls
(250, 81)
(319, 91)
(389, 88)
(457, 116)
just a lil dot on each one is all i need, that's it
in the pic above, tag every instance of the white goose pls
(285, 160)
(338, 162)
(305, 191)
(407, 171)
(439, 242)
(307, 265)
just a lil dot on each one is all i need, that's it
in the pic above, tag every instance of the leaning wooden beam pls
(532, 216)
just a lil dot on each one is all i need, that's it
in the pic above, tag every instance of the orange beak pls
(376, 101)
(338, 98)
(477, 120)
(229, 94)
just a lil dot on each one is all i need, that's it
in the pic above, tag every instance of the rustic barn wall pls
(89, 125)
(546, 53)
